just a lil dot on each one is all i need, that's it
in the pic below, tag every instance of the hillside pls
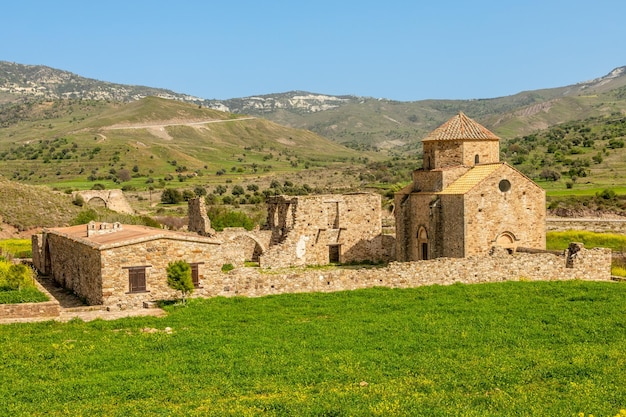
(359, 122)
(151, 139)
(23, 207)
(364, 122)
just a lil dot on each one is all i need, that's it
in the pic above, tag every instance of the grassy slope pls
(548, 348)
(93, 147)
(26, 206)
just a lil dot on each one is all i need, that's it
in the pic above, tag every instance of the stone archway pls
(96, 202)
(249, 245)
(111, 199)
(506, 240)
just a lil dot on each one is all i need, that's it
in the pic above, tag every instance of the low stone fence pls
(47, 310)
(579, 263)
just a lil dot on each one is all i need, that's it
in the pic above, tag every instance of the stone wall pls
(155, 256)
(487, 150)
(73, 265)
(112, 199)
(17, 312)
(311, 230)
(199, 221)
(592, 225)
(593, 264)
(508, 219)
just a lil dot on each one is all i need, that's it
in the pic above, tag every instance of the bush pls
(15, 276)
(85, 217)
(171, 196)
(223, 217)
(227, 267)
(179, 277)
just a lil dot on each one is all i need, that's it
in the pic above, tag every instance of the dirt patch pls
(9, 232)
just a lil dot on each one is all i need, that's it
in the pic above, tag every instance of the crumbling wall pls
(316, 230)
(199, 221)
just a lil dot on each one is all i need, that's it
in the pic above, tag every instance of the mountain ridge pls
(356, 121)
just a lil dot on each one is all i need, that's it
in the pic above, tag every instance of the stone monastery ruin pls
(460, 220)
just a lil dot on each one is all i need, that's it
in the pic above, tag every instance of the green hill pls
(78, 141)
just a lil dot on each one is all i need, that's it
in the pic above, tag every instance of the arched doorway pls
(422, 244)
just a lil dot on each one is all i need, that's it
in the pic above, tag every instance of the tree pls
(220, 189)
(188, 195)
(199, 191)
(179, 278)
(171, 196)
(123, 175)
(237, 190)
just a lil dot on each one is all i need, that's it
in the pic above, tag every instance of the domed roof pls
(461, 127)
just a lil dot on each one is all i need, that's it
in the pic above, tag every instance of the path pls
(162, 125)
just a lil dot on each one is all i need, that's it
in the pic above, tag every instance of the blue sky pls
(401, 50)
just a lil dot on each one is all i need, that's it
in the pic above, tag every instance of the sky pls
(400, 50)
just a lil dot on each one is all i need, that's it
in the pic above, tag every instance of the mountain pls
(384, 123)
(38, 81)
(358, 122)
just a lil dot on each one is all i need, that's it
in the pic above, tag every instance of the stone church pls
(464, 201)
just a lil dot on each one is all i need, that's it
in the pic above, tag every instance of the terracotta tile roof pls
(471, 178)
(461, 127)
(128, 235)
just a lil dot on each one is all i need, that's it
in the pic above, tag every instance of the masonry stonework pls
(308, 230)
(464, 201)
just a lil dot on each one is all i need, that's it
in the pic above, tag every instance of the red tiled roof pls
(461, 127)
(127, 235)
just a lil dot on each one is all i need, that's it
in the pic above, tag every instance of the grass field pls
(17, 248)
(560, 240)
(542, 349)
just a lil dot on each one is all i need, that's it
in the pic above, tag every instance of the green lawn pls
(519, 349)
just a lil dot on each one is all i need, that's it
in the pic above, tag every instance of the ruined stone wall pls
(593, 264)
(305, 228)
(488, 151)
(250, 244)
(592, 225)
(155, 255)
(113, 199)
(490, 212)
(199, 221)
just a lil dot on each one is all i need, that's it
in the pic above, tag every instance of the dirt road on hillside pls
(173, 123)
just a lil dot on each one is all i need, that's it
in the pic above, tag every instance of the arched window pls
(476, 159)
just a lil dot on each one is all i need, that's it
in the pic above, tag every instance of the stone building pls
(464, 201)
(322, 229)
(123, 266)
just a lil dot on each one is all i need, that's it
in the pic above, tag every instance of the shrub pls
(15, 276)
(85, 217)
(171, 196)
(227, 267)
(179, 278)
(78, 200)
(222, 217)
